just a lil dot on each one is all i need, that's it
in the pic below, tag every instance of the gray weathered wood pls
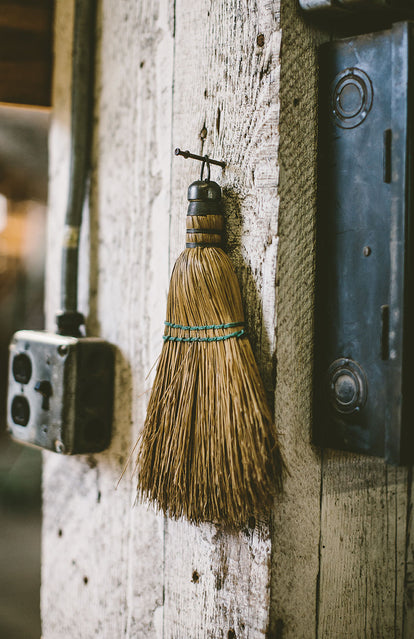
(340, 537)
(362, 551)
(127, 285)
(211, 77)
(102, 558)
(408, 596)
(296, 529)
(225, 104)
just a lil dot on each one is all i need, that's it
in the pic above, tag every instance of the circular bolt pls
(59, 446)
(348, 387)
(349, 99)
(345, 389)
(22, 368)
(367, 251)
(62, 350)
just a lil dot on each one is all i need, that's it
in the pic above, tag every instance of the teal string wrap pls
(203, 328)
(216, 338)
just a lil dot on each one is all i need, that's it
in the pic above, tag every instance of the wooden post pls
(342, 538)
(26, 51)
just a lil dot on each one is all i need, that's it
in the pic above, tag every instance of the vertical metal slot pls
(385, 328)
(387, 156)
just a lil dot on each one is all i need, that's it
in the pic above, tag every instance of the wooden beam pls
(26, 51)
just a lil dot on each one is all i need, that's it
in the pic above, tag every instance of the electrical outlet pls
(60, 393)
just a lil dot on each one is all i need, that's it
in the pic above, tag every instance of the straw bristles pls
(208, 450)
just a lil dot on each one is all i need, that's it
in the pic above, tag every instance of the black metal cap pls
(69, 323)
(205, 198)
(204, 190)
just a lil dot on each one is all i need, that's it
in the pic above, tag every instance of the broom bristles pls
(209, 449)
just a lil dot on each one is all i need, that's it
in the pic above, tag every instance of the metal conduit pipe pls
(69, 319)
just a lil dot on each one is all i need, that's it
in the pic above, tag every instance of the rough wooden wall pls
(342, 562)
(26, 51)
(203, 76)
(224, 78)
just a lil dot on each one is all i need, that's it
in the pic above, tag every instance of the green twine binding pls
(203, 328)
(220, 338)
(172, 338)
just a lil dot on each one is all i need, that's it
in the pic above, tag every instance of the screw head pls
(347, 386)
(367, 251)
(59, 446)
(62, 350)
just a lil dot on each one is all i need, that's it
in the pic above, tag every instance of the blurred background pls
(23, 196)
(26, 63)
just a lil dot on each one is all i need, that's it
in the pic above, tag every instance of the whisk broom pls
(209, 449)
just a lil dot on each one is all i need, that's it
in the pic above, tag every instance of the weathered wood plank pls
(296, 527)
(33, 16)
(408, 596)
(362, 551)
(102, 558)
(349, 582)
(26, 52)
(340, 537)
(225, 104)
(216, 582)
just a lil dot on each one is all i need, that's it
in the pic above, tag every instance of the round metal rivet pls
(59, 446)
(347, 386)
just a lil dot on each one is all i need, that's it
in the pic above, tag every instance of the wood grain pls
(225, 104)
(296, 529)
(103, 558)
(408, 595)
(362, 552)
(340, 537)
(128, 233)
(229, 79)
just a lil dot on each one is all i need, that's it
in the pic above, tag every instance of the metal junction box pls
(60, 392)
(364, 321)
